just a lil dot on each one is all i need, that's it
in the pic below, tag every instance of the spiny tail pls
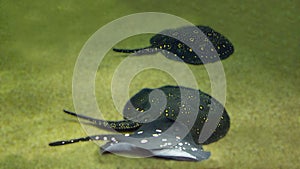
(126, 50)
(140, 51)
(122, 125)
(104, 137)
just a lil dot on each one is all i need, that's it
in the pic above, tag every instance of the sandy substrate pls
(39, 45)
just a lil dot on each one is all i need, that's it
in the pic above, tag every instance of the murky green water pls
(39, 45)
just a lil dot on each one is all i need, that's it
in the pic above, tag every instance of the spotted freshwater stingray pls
(165, 122)
(191, 44)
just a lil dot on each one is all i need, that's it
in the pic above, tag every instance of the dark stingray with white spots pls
(165, 122)
(191, 44)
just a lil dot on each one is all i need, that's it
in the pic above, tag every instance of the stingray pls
(161, 130)
(190, 44)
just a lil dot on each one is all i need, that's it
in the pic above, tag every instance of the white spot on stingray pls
(158, 130)
(127, 134)
(180, 144)
(194, 149)
(104, 138)
(155, 135)
(97, 137)
(144, 141)
(140, 132)
(164, 139)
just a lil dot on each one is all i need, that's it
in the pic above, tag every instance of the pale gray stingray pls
(151, 140)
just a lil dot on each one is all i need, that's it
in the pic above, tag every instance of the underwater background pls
(41, 40)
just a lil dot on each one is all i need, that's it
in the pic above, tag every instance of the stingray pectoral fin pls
(172, 153)
(181, 155)
(159, 138)
(125, 148)
(122, 125)
(186, 150)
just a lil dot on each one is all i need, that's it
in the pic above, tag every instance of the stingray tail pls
(140, 51)
(104, 137)
(122, 125)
